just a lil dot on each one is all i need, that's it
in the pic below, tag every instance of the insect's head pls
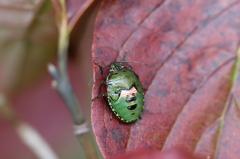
(115, 66)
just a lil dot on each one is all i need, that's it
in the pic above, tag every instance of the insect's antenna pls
(135, 62)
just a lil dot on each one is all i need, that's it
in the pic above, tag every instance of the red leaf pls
(191, 99)
(170, 154)
(75, 9)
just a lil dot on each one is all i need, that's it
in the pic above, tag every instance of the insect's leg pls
(111, 115)
(145, 89)
(129, 66)
(100, 67)
(105, 97)
(124, 56)
(99, 92)
(105, 94)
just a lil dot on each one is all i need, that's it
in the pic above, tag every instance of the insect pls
(124, 93)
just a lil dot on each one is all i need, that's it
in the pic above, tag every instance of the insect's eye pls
(133, 94)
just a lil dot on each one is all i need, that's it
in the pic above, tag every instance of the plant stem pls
(62, 84)
(27, 134)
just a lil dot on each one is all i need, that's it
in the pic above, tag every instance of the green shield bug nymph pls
(124, 93)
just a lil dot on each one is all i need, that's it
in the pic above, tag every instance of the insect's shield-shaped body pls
(124, 91)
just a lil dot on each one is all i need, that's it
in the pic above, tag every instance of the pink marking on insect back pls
(128, 92)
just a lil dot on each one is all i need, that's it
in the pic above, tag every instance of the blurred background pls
(28, 42)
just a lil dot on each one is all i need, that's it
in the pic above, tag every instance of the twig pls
(27, 134)
(62, 85)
